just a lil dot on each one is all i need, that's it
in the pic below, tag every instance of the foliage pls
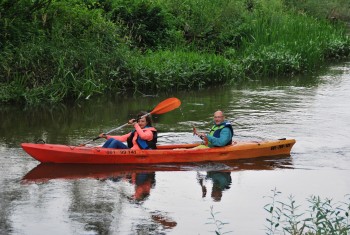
(327, 9)
(295, 43)
(67, 63)
(144, 23)
(219, 225)
(209, 25)
(272, 60)
(20, 20)
(323, 217)
(55, 50)
(165, 70)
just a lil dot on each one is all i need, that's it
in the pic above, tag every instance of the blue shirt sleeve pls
(225, 137)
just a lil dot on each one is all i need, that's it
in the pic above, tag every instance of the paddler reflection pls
(143, 183)
(221, 181)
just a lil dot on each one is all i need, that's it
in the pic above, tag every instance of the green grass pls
(166, 70)
(56, 51)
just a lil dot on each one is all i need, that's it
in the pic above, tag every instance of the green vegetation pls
(323, 217)
(334, 10)
(55, 50)
(218, 224)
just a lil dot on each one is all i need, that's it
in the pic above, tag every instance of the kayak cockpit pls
(177, 146)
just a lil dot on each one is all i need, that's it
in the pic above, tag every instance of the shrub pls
(143, 23)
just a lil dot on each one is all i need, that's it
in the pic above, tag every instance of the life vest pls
(216, 129)
(143, 144)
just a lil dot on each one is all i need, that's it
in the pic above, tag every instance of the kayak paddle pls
(163, 107)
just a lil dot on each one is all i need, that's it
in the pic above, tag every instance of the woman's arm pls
(144, 134)
(121, 138)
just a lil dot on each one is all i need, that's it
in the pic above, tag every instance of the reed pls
(290, 43)
(218, 224)
(327, 9)
(324, 216)
(167, 70)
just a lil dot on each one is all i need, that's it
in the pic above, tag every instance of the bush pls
(144, 24)
(165, 70)
(272, 61)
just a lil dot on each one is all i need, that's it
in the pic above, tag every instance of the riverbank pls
(72, 50)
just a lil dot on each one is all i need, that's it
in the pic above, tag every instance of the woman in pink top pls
(143, 137)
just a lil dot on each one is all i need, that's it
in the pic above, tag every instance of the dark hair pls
(148, 117)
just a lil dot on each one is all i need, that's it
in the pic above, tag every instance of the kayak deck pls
(179, 153)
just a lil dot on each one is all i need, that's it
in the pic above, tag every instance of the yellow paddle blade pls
(166, 106)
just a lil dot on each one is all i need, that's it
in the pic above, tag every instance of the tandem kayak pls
(179, 153)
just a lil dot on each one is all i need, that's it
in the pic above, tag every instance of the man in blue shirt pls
(221, 133)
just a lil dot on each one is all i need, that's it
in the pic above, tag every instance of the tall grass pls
(166, 70)
(324, 216)
(208, 25)
(74, 61)
(64, 50)
(326, 9)
(290, 43)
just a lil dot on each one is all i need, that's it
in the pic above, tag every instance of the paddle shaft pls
(163, 107)
(115, 129)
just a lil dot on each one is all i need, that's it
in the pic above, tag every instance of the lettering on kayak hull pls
(113, 152)
(281, 146)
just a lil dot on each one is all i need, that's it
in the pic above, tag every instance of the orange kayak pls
(180, 153)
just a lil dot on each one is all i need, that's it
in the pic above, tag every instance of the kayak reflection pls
(45, 171)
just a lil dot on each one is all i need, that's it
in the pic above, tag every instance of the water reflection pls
(221, 181)
(94, 214)
(101, 205)
(143, 183)
(45, 172)
(99, 197)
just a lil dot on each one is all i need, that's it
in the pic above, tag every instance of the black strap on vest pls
(150, 144)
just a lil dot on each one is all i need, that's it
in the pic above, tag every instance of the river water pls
(179, 199)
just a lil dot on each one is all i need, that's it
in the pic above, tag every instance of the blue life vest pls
(216, 129)
(143, 144)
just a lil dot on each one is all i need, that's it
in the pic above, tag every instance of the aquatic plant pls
(218, 223)
(324, 216)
